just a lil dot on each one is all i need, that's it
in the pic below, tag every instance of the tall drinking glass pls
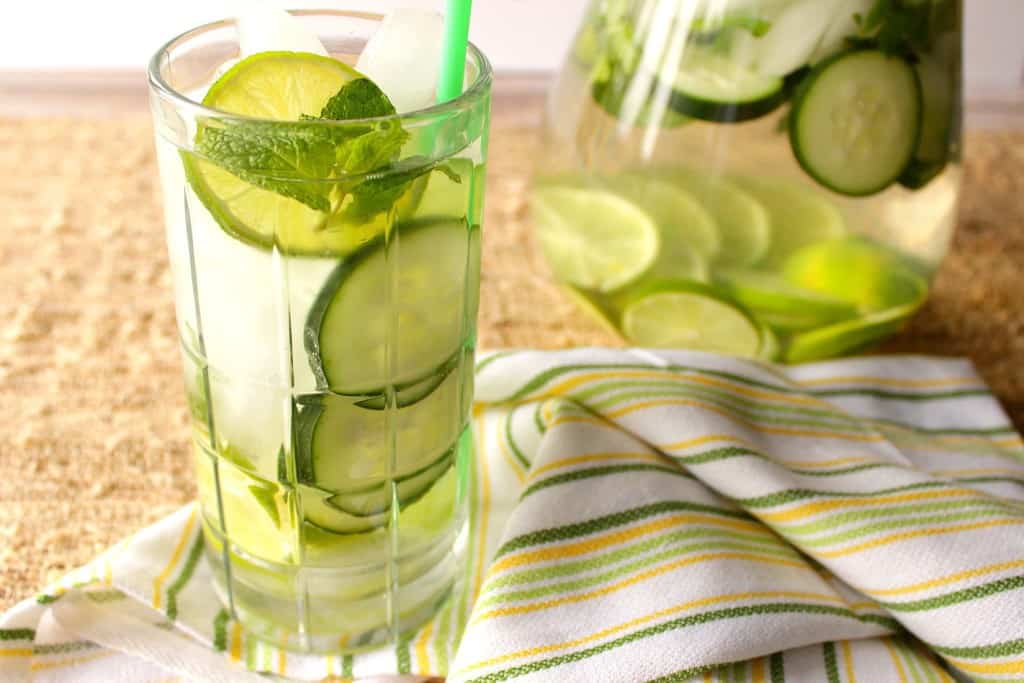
(327, 345)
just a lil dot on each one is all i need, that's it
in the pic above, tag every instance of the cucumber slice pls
(318, 510)
(349, 335)
(341, 447)
(932, 151)
(407, 490)
(920, 173)
(408, 394)
(712, 87)
(794, 36)
(427, 501)
(856, 121)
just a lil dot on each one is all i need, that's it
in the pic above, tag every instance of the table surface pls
(93, 433)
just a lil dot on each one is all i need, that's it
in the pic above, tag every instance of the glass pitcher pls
(767, 178)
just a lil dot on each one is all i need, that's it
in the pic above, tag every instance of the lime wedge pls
(594, 239)
(799, 216)
(744, 224)
(868, 276)
(595, 306)
(679, 314)
(768, 295)
(847, 337)
(684, 223)
(282, 86)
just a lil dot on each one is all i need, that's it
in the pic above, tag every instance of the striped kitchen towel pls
(645, 516)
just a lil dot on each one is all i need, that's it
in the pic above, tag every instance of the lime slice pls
(771, 348)
(255, 510)
(788, 323)
(443, 197)
(595, 306)
(799, 216)
(684, 223)
(868, 276)
(674, 314)
(744, 224)
(881, 284)
(847, 337)
(281, 86)
(768, 294)
(594, 239)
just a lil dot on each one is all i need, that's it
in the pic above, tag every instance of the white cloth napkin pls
(647, 516)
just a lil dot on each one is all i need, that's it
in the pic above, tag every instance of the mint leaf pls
(358, 99)
(282, 157)
(896, 27)
(755, 25)
(381, 142)
(296, 159)
(379, 193)
(372, 150)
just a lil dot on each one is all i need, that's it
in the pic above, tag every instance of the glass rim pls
(161, 87)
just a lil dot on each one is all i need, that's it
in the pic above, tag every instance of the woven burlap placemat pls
(92, 415)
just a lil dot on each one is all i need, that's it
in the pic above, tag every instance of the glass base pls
(329, 610)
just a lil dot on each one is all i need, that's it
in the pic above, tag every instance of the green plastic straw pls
(453, 54)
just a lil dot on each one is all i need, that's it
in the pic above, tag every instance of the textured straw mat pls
(92, 415)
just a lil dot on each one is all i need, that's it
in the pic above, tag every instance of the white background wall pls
(516, 34)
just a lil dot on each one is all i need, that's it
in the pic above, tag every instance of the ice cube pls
(263, 26)
(404, 56)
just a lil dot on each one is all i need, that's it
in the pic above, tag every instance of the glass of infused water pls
(323, 226)
(766, 178)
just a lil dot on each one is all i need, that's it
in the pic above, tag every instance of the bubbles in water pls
(404, 56)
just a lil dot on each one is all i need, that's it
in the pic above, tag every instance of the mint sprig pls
(283, 157)
(897, 27)
(349, 170)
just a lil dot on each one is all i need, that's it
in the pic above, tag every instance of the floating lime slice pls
(868, 276)
(847, 337)
(443, 197)
(884, 288)
(799, 216)
(684, 223)
(771, 348)
(744, 224)
(281, 86)
(679, 314)
(770, 296)
(593, 238)
(255, 510)
(596, 306)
